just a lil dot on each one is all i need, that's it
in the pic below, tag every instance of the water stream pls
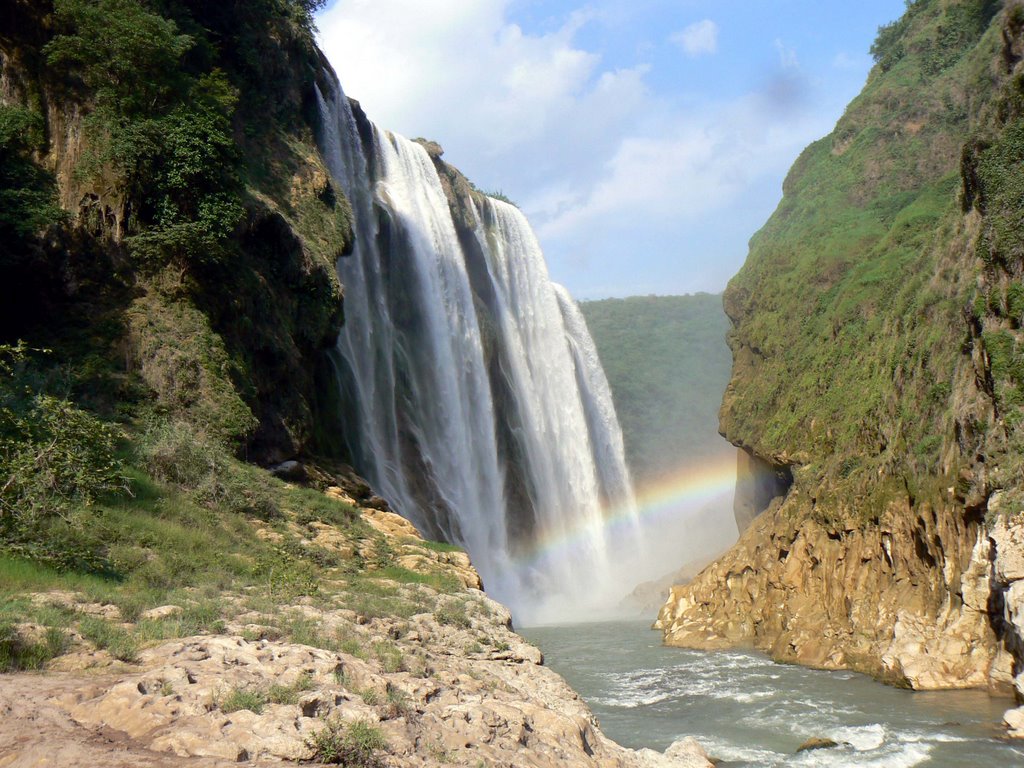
(749, 712)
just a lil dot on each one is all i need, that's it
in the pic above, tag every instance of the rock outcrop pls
(429, 662)
(439, 703)
(872, 600)
(1007, 557)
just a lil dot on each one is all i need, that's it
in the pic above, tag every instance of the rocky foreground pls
(452, 684)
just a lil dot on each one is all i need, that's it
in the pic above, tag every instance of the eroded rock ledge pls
(906, 599)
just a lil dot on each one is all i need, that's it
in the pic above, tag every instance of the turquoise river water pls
(749, 712)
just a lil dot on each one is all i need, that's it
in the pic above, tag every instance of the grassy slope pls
(220, 539)
(848, 310)
(667, 364)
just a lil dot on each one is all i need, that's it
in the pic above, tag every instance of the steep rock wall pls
(875, 354)
(236, 345)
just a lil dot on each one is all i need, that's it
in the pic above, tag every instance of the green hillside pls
(849, 310)
(667, 364)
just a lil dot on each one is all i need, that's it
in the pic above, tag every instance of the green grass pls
(438, 580)
(454, 614)
(18, 653)
(243, 698)
(438, 546)
(356, 744)
(165, 545)
(389, 656)
(18, 576)
(119, 642)
(289, 694)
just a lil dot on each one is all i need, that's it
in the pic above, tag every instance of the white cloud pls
(787, 56)
(698, 39)
(462, 74)
(603, 166)
(695, 166)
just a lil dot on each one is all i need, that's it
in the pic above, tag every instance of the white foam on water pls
(895, 756)
(627, 701)
(863, 738)
(729, 752)
(751, 697)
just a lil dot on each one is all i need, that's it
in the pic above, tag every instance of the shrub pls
(164, 130)
(289, 694)
(28, 199)
(175, 452)
(453, 614)
(55, 459)
(354, 745)
(389, 655)
(19, 653)
(397, 704)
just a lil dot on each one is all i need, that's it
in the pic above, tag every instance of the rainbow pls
(689, 488)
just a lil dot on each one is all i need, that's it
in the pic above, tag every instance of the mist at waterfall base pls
(476, 403)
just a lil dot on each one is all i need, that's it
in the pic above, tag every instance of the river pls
(750, 712)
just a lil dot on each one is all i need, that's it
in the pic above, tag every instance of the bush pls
(175, 452)
(453, 614)
(110, 637)
(166, 131)
(28, 198)
(354, 745)
(55, 459)
(18, 653)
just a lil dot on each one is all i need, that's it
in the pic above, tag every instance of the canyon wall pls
(876, 349)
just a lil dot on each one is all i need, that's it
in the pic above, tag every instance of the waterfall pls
(475, 400)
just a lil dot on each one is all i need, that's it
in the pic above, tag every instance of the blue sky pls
(646, 140)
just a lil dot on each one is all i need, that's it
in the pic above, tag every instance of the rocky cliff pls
(876, 364)
(179, 242)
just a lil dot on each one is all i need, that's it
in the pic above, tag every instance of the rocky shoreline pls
(453, 684)
(788, 589)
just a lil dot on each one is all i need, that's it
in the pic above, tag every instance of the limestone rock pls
(1014, 719)
(161, 612)
(1008, 537)
(816, 742)
(500, 709)
(292, 471)
(905, 600)
(390, 523)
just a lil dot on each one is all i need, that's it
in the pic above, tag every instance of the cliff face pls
(876, 358)
(191, 260)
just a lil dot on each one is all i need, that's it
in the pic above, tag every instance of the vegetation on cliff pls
(667, 364)
(877, 354)
(168, 239)
(194, 259)
(848, 311)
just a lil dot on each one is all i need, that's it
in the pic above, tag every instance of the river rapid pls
(750, 712)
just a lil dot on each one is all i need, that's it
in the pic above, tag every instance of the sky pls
(646, 140)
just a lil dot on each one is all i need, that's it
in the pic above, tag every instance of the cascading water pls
(476, 399)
